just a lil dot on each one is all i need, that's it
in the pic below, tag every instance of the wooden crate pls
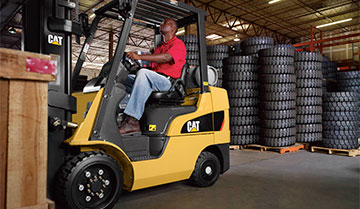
(24, 81)
(330, 151)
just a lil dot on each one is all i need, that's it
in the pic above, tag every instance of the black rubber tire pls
(243, 102)
(306, 74)
(277, 78)
(244, 120)
(309, 128)
(348, 75)
(349, 83)
(341, 135)
(192, 56)
(280, 50)
(217, 49)
(241, 76)
(73, 170)
(308, 83)
(200, 177)
(279, 69)
(244, 139)
(243, 111)
(308, 65)
(278, 115)
(288, 87)
(309, 101)
(190, 47)
(309, 137)
(341, 125)
(341, 97)
(264, 61)
(308, 56)
(278, 132)
(341, 116)
(340, 144)
(244, 130)
(249, 50)
(252, 93)
(278, 105)
(278, 96)
(305, 110)
(188, 38)
(215, 63)
(240, 68)
(308, 119)
(240, 60)
(217, 56)
(340, 107)
(241, 85)
(258, 40)
(193, 62)
(285, 123)
(309, 92)
(279, 142)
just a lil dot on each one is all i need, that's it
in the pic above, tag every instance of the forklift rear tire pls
(90, 180)
(207, 170)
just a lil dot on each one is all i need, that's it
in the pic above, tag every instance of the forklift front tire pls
(90, 180)
(207, 170)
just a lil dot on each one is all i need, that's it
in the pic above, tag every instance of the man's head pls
(169, 26)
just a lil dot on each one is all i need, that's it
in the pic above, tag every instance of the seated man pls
(167, 62)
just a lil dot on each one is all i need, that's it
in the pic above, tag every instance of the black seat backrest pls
(177, 92)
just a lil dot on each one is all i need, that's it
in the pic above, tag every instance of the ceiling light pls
(236, 39)
(180, 32)
(92, 15)
(273, 1)
(213, 36)
(333, 23)
(12, 30)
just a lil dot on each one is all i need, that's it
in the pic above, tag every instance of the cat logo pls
(193, 126)
(152, 127)
(55, 40)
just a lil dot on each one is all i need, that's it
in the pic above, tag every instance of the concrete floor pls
(263, 180)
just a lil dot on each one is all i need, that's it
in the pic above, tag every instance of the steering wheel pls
(131, 65)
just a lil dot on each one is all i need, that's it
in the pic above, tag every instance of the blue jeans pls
(140, 88)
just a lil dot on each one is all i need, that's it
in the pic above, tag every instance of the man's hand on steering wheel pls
(133, 56)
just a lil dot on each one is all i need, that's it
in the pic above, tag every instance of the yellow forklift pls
(185, 131)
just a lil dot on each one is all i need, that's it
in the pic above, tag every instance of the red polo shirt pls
(176, 48)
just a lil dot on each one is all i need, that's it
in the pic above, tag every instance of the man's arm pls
(157, 58)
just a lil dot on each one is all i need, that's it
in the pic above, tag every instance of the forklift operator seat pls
(176, 93)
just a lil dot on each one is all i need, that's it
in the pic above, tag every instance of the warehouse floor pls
(263, 180)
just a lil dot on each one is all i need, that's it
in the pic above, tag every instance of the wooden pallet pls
(282, 150)
(330, 151)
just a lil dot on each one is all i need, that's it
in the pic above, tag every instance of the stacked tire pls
(349, 81)
(309, 96)
(241, 82)
(236, 49)
(341, 120)
(251, 46)
(215, 56)
(192, 49)
(277, 96)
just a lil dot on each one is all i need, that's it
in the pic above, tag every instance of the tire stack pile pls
(349, 81)
(341, 120)
(309, 96)
(215, 55)
(325, 67)
(192, 49)
(332, 68)
(251, 46)
(277, 96)
(241, 81)
(236, 49)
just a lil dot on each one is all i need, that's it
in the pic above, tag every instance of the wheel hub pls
(208, 170)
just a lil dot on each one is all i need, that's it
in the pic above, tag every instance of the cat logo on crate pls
(193, 126)
(55, 40)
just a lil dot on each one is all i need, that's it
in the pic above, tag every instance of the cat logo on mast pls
(55, 40)
(193, 126)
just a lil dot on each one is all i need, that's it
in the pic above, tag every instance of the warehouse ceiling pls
(287, 21)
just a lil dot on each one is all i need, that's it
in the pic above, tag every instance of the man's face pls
(166, 26)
